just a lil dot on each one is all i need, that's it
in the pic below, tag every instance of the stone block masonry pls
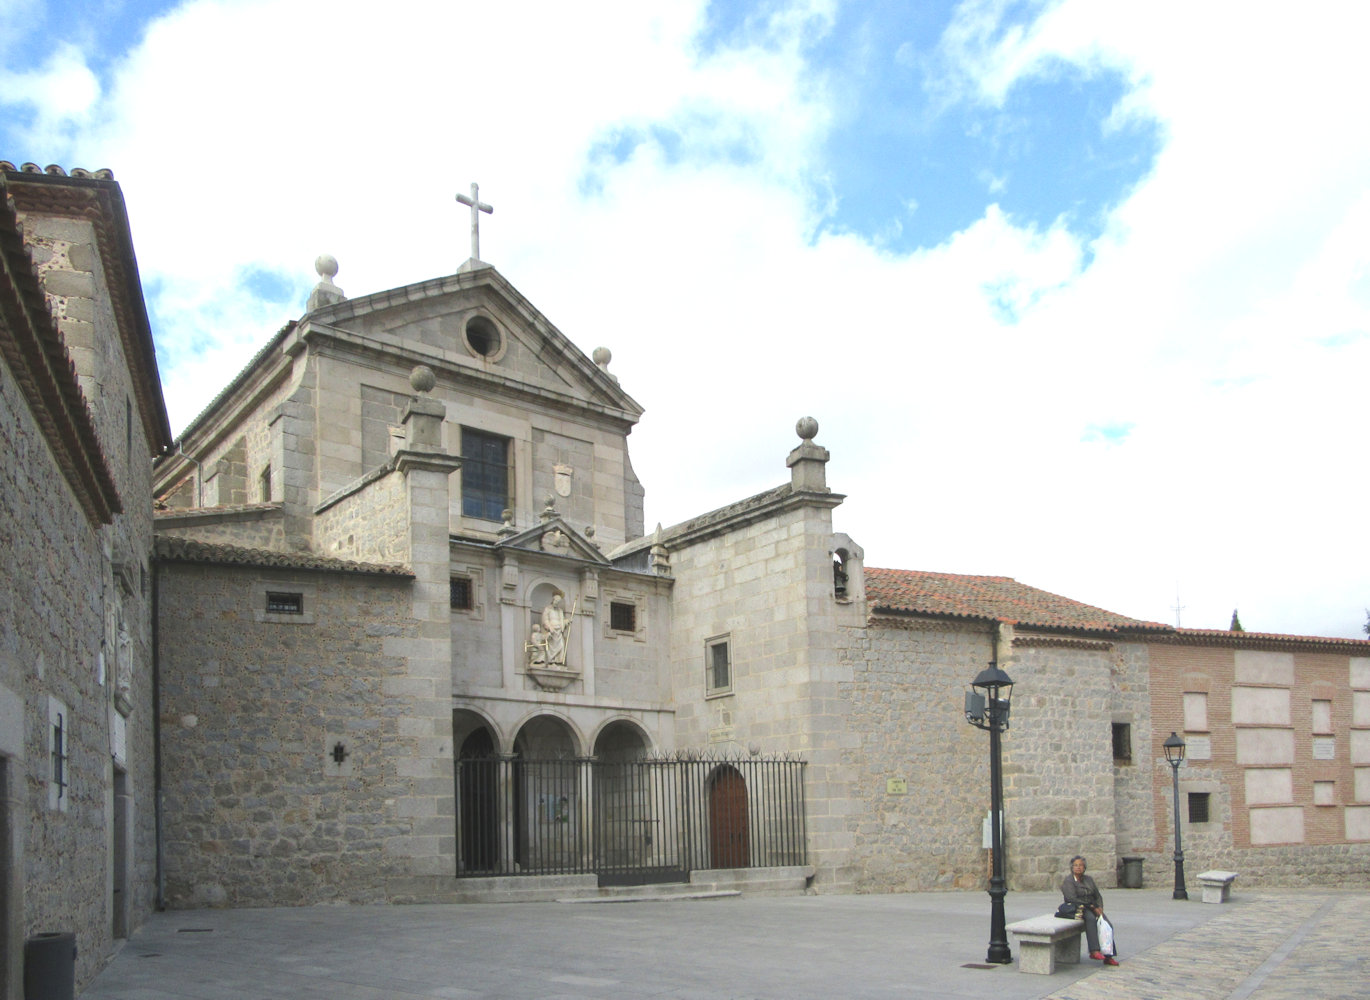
(258, 811)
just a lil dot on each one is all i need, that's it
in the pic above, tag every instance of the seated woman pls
(1079, 889)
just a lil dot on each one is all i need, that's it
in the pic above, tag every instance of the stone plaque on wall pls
(1198, 748)
(1324, 748)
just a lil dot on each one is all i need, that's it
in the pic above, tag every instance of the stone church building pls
(398, 631)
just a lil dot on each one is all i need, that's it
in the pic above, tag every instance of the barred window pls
(622, 616)
(459, 589)
(1198, 807)
(1122, 741)
(279, 603)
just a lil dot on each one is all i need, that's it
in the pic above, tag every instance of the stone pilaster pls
(426, 688)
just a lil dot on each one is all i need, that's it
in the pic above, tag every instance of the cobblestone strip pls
(1329, 961)
(1212, 961)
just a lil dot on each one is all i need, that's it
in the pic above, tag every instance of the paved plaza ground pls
(1264, 944)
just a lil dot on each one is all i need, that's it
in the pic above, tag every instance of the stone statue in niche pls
(536, 647)
(555, 625)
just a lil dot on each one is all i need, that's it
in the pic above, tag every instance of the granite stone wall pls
(70, 584)
(920, 773)
(258, 813)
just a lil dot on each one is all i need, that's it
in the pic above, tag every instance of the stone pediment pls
(474, 325)
(556, 538)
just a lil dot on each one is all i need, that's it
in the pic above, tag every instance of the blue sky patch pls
(1115, 432)
(910, 167)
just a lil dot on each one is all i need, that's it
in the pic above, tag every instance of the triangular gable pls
(522, 348)
(555, 537)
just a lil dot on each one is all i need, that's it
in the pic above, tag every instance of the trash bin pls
(50, 966)
(1132, 871)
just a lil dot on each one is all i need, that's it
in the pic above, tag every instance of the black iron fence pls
(648, 820)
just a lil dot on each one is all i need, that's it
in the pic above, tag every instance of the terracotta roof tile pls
(990, 598)
(172, 548)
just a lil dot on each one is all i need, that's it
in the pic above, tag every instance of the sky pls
(1079, 293)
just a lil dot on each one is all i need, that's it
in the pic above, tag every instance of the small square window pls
(459, 590)
(622, 616)
(1122, 741)
(278, 603)
(1198, 807)
(718, 666)
(265, 484)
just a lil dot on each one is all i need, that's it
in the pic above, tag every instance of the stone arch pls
(848, 569)
(621, 739)
(477, 778)
(546, 794)
(468, 720)
(543, 734)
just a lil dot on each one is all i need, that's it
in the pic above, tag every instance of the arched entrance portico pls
(547, 796)
(478, 795)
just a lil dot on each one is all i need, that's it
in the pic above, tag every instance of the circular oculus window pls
(483, 338)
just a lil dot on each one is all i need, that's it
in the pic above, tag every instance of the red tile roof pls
(989, 598)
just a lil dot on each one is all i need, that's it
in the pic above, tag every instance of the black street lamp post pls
(1174, 755)
(987, 706)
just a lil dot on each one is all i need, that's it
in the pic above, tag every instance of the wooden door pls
(729, 846)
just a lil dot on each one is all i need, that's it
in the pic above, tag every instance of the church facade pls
(398, 631)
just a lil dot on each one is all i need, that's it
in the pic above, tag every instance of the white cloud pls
(953, 385)
(60, 94)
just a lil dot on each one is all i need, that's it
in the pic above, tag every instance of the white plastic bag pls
(1106, 937)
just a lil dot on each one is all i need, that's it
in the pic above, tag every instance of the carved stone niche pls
(552, 678)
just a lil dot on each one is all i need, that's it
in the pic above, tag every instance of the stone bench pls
(1217, 886)
(1045, 941)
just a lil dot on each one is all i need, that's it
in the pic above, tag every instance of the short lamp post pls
(1174, 755)
(987, 705)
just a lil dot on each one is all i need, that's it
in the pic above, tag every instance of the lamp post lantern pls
(987, 706)
(1174, 755)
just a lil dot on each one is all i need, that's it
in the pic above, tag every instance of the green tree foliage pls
(1236, 625)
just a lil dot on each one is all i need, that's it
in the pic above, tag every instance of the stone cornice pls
(39, 363)
(98, 200)
(732, 517)
(401, 356)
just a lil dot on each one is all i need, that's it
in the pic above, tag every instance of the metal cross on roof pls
(477, 206)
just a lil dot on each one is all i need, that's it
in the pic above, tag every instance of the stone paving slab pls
(1264, 945)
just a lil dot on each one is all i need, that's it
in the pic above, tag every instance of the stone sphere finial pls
(422, 378)
(602, 356)
(327, 266)
(806, 428)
